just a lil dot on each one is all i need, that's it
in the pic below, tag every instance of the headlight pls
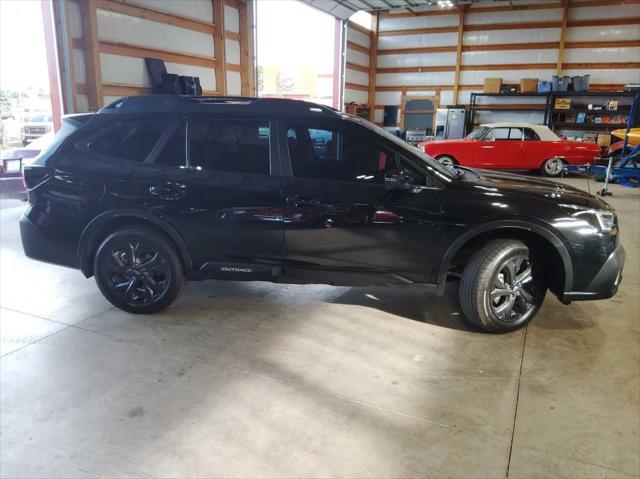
(605, 219)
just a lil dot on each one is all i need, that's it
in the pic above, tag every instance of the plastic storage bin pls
(561, 83)
(544, 86)
(580, 83)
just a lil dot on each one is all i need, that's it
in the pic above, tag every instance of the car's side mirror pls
(398, 180)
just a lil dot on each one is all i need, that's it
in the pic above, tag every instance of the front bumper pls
(605, 283)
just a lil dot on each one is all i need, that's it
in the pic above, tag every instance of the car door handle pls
(301, 201)
(167, 191)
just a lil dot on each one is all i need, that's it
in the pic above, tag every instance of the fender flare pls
(88, 235)
(501, 224)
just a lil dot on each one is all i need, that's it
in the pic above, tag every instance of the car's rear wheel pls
(447, 161)
(138, 270)
(502, 287)
(552, 167)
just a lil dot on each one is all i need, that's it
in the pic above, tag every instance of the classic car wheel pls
(552, 167)
(501, 288)
(446, 161)
(138, 270)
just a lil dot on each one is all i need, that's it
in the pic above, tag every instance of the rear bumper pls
(36, 246)
(605, 283)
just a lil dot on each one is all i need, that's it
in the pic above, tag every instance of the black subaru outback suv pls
(152, 191)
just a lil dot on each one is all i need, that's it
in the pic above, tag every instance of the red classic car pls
(513, 146)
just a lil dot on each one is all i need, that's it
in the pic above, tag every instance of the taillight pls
(33, 175)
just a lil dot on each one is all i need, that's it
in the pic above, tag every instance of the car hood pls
(535, 188)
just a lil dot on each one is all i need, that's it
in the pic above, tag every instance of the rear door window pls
(128, 141)
(240, 146)
(500, 134)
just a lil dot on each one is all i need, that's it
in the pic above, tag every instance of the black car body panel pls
(278, 226)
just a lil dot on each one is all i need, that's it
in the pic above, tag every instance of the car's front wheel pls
(502, 287)
(446, 160)
(552, 167)
(138, 270)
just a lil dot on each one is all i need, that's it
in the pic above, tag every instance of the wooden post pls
(563, 34)
(456, 80)
(219, 47)
(373, 63)
(246, 48)
(90, 47)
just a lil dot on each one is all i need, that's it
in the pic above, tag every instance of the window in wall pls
(234, 145)
(330, 154)
(129, 141)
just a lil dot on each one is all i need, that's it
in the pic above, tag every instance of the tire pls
(552, 167)
(446, 160)
(138, 270)
(500, 267)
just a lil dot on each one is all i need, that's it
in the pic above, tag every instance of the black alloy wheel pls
(138, 270)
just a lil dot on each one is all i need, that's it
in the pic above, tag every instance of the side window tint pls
(337, 155)
(173, 153)
(239, 146)
(530, 135)
(500, 133)
(129, 141)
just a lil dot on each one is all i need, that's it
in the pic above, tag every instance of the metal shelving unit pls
(579, 104)
(475, 107)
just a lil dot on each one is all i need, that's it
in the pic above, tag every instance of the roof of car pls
(543, 131)
(189, 103)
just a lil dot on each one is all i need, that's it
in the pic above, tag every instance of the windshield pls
(478, 133)
(431, 163)
(41, 119)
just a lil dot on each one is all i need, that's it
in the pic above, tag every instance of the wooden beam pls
(601, 66)
(89, 19)
(464, 68)
(601, 3)
(233, 67)
(456, 79)
(563, 34)
(607, 44)
(373, 62)
(429, 68)
(219, 46)
(146, 13)
(356, 86)
(123, 89)
(142, 52)
(72, 66)
(360, 68)
(357, 47)
(232, 35)
(246, 43)
(417, 31)
(511, 46)
(357, 27)
(603, 22)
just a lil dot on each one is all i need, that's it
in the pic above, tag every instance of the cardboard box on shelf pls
(562, 104)
(492, 85)
(529, 85)
(604, 140)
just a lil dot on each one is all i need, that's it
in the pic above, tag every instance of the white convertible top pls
(543, 131)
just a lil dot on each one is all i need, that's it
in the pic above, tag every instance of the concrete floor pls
(262, 380)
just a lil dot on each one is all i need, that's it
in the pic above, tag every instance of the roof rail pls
(187, 103)
(145, 103)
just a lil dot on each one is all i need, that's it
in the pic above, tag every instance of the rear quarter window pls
(127, 141)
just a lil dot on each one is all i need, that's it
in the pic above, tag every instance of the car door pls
(500, 149)
(341, 219)
(213, 181)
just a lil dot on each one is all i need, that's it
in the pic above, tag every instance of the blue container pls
(544, 86)
(561, 83)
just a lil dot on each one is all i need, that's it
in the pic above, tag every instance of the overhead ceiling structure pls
(345, 8)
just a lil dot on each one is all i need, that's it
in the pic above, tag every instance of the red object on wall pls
(52, 62)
